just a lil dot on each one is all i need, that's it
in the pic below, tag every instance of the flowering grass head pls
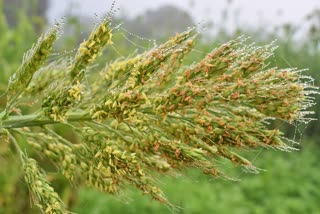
(149, 113)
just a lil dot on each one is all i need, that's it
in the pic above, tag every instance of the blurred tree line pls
(34, 9)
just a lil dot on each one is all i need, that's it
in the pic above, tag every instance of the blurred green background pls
(290, 182)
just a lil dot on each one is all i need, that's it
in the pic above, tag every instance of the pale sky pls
(252, 12)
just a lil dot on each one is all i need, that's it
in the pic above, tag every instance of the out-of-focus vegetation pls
(289, 186)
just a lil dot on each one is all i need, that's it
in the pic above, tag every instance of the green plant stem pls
(59, 137)
(16, 145)
(37, 120)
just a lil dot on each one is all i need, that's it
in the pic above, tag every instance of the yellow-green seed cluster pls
(56, 104)
(43, 194)
(206, 111)
(119, 69)
(111, 165)
(66, 95)
(32, 62)
(62, 155)
(152, 61)
(121, 103)
(164, 76)
(90, 49)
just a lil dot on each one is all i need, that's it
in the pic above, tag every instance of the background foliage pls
(289, 186)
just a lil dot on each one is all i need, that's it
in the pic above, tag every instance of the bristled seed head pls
(151, 112)
(44, 194)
